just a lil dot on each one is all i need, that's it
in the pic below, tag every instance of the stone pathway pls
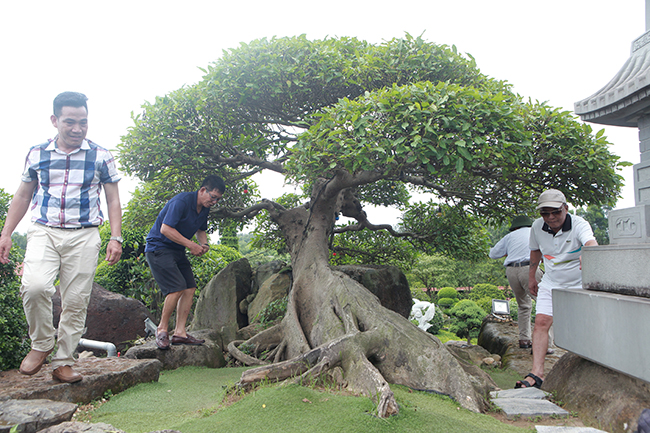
(531, 403)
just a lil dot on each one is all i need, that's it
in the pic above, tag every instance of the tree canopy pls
(402, 113)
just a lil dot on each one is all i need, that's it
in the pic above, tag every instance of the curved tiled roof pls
(626, 95)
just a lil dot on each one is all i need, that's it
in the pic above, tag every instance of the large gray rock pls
(33, 415)
(265, 270)
(111, 317)
(209, 354)
(275, 287)
(99, 376)
(388, 283)
(601, 396)
(217, 308)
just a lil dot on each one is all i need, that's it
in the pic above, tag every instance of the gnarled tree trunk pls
(333, 322)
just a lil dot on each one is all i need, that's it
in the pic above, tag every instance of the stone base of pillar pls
(606, 328)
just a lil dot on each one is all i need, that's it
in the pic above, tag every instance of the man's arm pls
(590, 243)
(499, 250)
(17, 210)
(535, 257)
(174, 235)
(202, 236)
(114, 248)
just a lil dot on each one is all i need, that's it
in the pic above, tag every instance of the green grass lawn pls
(190, 399)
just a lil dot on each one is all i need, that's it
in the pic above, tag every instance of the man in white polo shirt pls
(514, 247)
(557, 237)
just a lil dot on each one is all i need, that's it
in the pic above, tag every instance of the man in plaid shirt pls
(62, 182)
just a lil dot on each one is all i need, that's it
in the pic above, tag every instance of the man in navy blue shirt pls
(184, 216)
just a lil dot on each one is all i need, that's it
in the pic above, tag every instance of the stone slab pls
(532, 393)
(528, 407)
(562, 429)
(33, 415)
(629, 225)
(607, 328)
(99, 376)
(617, 268)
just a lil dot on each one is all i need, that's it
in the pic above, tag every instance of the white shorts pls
(544, 301)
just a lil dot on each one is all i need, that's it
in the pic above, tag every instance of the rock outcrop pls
(388, 283)
(209, 354)
(602, 397)
(111, 318)
(217, 308)
(34, 415)
(274, 288)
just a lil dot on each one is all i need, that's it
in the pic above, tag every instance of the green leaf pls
(459, 165)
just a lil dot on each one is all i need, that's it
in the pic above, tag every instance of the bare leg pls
(183, 310)
(168, 308)
(540, 345)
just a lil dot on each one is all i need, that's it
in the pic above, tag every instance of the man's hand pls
(113, 252)
(5, 247)
(196, 249)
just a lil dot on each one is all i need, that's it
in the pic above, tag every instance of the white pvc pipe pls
(110, 348)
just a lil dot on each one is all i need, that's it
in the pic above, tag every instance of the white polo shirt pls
(561, 252)
(514, 245)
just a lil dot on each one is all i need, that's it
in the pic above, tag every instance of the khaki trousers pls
(518, 280)
(72, 256)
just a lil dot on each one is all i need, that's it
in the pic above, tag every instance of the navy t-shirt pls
(179, 213)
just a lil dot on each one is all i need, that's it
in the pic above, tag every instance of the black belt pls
(519, 264)
(69, 228)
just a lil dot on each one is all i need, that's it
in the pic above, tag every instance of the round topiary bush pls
(447, 292)
(446, 302)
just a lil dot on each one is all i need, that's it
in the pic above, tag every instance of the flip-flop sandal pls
(525, 384)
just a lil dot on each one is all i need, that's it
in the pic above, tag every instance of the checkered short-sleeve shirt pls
(68, 186)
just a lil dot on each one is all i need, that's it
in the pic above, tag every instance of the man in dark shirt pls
(184, 216)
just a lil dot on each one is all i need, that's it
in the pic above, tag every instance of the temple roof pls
(626, 96)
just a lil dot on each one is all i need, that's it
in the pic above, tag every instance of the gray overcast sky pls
(122, 53)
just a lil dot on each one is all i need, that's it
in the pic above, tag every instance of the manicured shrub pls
(448, 292)
(485, 304)
(486, 291)
(446, 302)
(467, 319)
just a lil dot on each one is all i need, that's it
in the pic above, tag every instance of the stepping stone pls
(34, 415)
(554, 429)
(534, 393)
(528, 407)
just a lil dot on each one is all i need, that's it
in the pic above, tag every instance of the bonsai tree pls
(354, 124)
(468, 317)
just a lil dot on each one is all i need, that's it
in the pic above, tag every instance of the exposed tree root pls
(240, 356)
(347, 351)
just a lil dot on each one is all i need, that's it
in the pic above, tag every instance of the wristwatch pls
(117, 238)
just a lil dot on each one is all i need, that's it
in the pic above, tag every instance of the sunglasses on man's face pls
(555, 212)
